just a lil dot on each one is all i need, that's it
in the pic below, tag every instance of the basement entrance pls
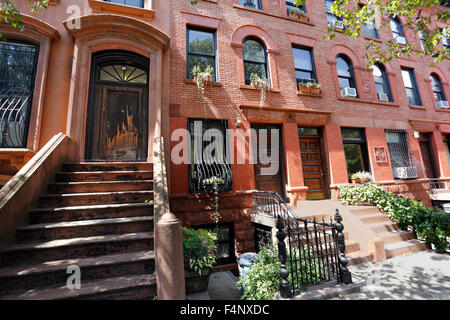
(117, 120)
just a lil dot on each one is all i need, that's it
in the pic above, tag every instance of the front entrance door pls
(312, 163)
(427, 156)
(118, 112)
(268, 182)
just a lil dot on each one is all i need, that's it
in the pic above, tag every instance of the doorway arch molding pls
(113, 32)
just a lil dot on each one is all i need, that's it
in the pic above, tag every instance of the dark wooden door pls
(264, 182)
(312, 163)
(427, 157)
(119, 131)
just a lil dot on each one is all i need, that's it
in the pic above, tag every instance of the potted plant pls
(361, 177)
(303, 87)
(202, 78)
(298, 13)
(199, 247)
(214, 186)
(250, 3)
(261, 84)
(314, 87)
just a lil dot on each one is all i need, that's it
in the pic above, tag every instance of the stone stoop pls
(396, 241)
(96, 216)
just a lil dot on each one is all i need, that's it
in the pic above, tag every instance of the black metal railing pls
(311, 252)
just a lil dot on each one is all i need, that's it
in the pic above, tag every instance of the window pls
(251, 3)
(225, 241)
(345, 73)
(370, 30)
(255, 59)
(290, 5)
(355, 149)
(131, 3)
(208, 150)
(201, 50)
(304, 64)
(422, 39)
(409, 80)
(331, 18)
(438, 90)
(18, 63)
(381, 82)
(397, 141)
(397, 31)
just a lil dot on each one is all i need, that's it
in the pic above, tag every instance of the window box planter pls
(301, 17)
(304, 89)
(196, 282)
(356, 180)
(315, 90)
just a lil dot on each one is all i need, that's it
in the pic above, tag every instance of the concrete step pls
(352, 246)
(55, 272)
(107, 166)
(404, 247)
(142, 286)
(379, 217)
(85, 228)
(358, 257)
(76, 248)
(95, 176)
(396, 236)
(100, 186)
(386, 226)
(79, 213)
(366, 211)
(95, 198)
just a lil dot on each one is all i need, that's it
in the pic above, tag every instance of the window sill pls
(368, 101)
(249, 87)
(417, 107)
(373, 39)
(443, 110)
(109, 7)
(214, 84)
(309, 22)
(310, 94)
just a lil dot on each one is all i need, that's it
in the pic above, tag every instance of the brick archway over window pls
(442, 76)
(272, 51)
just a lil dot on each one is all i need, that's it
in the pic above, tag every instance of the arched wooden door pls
(117, 119)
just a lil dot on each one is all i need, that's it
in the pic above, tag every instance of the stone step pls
(380, 217)
(95, 198)
(386, 226)
(55, 272)
(95, 176)
(85, 228)
(358, 257)
(100, 186)
(396, 236)
(366, 211)
(404, 247)
(106, 166)
(78, 213)
(352, 246)
(141, 286)
(76, 248)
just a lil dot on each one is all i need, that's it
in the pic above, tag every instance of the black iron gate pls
(18, 62)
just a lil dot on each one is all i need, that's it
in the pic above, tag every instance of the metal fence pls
(311, 252)
(17, 75)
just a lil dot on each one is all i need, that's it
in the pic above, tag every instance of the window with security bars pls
(398, 145)
(18, 63)
(208, 155)
(225, 241)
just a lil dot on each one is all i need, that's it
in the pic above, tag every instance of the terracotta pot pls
(356, 180)
(196, 282)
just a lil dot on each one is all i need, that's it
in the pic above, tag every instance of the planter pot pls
(207, 80)
(315, 90)
(304, 89)
(356, 180)
(196, 282)
(299, 17)
(209, 187)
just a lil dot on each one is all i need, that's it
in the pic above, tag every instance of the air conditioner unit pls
(383, 97)
(442, 104)
(348, 92)
(405, 173)
(400, 40)
(338, 24)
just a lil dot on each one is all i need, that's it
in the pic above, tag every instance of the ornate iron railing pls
(311, 252)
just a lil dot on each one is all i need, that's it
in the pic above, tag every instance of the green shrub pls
(428, 223)
(199, 247)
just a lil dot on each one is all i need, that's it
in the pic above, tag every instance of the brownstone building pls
(94, 91)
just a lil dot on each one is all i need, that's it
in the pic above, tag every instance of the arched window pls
(255, 59)
(438, 90)
(345, 75)
(255, 4)
(397, 31)
(381, 83)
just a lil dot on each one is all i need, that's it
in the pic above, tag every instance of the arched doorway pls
(117, 115)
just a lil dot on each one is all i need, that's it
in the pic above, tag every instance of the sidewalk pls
(424, 275)
(221, 287)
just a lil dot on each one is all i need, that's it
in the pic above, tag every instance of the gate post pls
(345, 274)
(285, 287)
